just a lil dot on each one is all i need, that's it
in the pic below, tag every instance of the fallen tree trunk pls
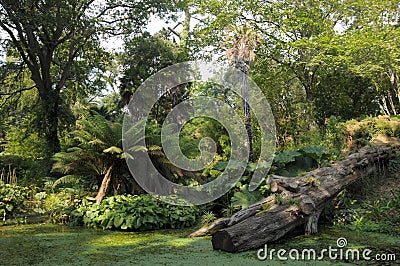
(297, 201)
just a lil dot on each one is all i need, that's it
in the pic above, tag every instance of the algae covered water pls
(47, 244)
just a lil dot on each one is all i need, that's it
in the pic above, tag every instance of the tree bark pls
(301, 201)
(247, 117)
(104, 185)
(50, 120)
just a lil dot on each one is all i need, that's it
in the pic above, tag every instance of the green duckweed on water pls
(47, 244)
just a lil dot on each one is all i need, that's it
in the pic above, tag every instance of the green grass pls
(48, 244)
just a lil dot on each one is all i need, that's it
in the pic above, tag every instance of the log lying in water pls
(297, 201)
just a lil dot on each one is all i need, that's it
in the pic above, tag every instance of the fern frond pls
(113, 150)
(67, 179)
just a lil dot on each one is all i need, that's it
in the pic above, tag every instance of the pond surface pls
(47, 244)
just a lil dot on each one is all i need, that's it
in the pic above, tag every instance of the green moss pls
(62, 245)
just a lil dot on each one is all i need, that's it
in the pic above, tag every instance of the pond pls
(47, 244)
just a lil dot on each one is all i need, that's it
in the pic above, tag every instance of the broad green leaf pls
(118, 221)
(244, 198)
(285, 157)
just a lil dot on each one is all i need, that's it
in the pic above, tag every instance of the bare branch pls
(174, 32)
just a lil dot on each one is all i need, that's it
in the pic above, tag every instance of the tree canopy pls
(319, 64)
(59, 44)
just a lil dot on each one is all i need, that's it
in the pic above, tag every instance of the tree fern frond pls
(61, 168)
(67, 179)
(138, 148)
(74, 149)
(113, 150)
(97, 142)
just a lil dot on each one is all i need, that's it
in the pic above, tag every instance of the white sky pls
(116, 43)
(155, 24)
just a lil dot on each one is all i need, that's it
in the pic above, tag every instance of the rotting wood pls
(254, 226)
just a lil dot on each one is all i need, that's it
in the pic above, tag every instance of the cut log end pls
(307, 205)
(274, 187)
(223, 241)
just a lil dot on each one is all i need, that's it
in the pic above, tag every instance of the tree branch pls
(17, 91)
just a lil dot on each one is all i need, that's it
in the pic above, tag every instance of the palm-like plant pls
(241, 42)
(98, 156)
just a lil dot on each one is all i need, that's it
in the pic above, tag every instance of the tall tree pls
(370, 45)
(241, 54)
(295, 34)
(144, 56)
(52, 37)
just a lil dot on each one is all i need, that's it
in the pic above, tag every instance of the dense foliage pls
(379, 215)
(12, 200)
(329, 70)
(133, 212)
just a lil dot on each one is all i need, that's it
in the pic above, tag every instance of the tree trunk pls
(104, 186)
(301, 201)
(184, 36)
(247, 118)
(50, 122)
(246, 109)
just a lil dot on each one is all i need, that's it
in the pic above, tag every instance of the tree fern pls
(99, 149)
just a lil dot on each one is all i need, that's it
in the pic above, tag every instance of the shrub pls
(12, 198)
(380, 215)
(296, 162)
(208, 218)
(335, 137)
(60, 205)
(394, 165)
(133, 212)
(372, 127)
